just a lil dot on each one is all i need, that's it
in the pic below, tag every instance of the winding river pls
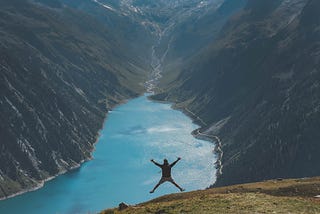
(121, 170)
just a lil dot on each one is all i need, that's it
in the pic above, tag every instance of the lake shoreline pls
(40, 183)
(131, 135)
(218, 152)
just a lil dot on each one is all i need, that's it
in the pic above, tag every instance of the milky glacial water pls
(121, 170)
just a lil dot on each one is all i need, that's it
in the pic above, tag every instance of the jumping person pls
(166, 174)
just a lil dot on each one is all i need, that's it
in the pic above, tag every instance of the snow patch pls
(13, 107)
(104, 5)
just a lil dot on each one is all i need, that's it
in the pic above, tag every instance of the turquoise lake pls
(121, 170)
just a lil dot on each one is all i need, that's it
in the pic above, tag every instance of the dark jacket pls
(166, 168)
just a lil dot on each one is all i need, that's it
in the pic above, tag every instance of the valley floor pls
(273, 196)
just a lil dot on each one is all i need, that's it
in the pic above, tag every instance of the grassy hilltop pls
(273, 196)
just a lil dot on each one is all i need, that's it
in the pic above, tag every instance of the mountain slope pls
(128, 26)
(61, 71)
(256, 87)
(193, 32)
(274, 196)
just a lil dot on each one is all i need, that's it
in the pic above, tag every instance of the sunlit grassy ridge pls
(274, 196)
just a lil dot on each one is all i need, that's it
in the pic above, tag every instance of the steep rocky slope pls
(256, 86)
(60, 71)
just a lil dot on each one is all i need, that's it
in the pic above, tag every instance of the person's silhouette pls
(166, 174)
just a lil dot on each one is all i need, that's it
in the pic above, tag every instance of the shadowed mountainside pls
(61, 71)
(256, 86)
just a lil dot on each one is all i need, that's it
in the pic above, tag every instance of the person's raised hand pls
(151, 160)
(179, 158)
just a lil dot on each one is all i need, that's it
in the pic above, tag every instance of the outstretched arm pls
(159, 165)
(174, 163)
